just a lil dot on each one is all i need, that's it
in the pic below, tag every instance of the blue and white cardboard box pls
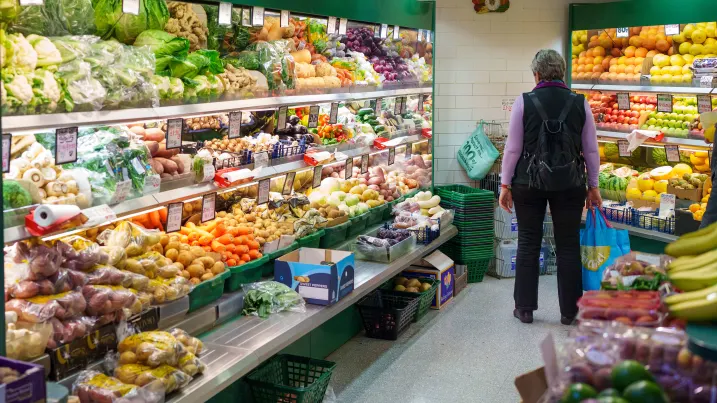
(436, 266)
(320, 276)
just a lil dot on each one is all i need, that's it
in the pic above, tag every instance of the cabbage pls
(165, 46)
(112, 22)
(197, 63)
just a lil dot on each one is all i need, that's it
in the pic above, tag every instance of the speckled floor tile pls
(469, 351)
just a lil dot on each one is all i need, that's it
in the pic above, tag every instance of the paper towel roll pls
(49, 214)
(234, 176)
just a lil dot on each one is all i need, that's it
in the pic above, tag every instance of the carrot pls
(242, 249)
(254, 254)
(206, 240)
(250, 237)
(218, 246)
(231, 247)
(207, 248)
(154, 219)
(163, 214)
(194, 243)
(245, 230)
(243, 240)
(231, 262)
(190, 224)
(234, 231)
(235, 257)
(253, 245)
(241, 262)
(245, 257)
(221, 229)
(185, 230)
(237, 241)
(226, 255)
(226, 239)
(194, 236)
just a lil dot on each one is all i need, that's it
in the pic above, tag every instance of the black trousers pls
(566, 208)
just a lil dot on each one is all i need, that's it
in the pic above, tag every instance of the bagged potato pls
(106, 275)
(164, 290)
(147, 264)
(140, 375)
(96, 387)
(103, 299)
(43, 261)
(192, 344)
(190, 364)
(63, 306)
(153, 348)
(17, 276)
(80, 253)
(69, 330)
(25, 341)
(130, 236)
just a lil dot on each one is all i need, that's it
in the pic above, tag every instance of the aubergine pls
(301, 129)
(294, 120)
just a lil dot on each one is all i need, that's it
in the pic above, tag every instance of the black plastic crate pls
(385, 316)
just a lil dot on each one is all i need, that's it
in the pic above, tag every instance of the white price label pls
(208, 172)
(31, 2)
(672, 29)
(377, 107)
(391, 155)
(664, 103)
(281, 124)
(673, 153)
(376, 31)
(209, 207)
(507, 104)
(334, 114)
(152, 184)
(331, 26)
(130, 7)
(257, 16)
(623, 101)
(261, 159)
(225, 13)
(288, 183)
(317, 176)
(313, 117)
(263, 191)
(98, 215)
(234, 124)
(6, 146)
(246, 17)
(174, 217)
(396, 32)
(138, 166)
(622, 148)
(364, 163)
(667, 204)
(706, 82)
(384, 31)
(409, 150)
(121, 191)
(174, 133)
(343, 23)
(623, 32)
(649, 259)
(349, 168)
(428, 36)
(420, 35)
(65, 145)
(704, 103)
(284, 19)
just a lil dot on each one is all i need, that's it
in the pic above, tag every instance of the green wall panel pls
(641, 12)
(406, 13)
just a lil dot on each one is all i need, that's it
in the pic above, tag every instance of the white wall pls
(482, 59)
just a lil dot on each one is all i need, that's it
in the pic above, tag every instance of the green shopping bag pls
(477, 154)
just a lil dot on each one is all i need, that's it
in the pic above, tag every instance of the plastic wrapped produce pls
(80, 253)
(130, 236)
(165, 290)
(65, 331)
(152, 348)
(107, 275)
(141, 375)
(636, 271)
(96, 387)
(25, 341)
(102, 300)
(43, 261)
(192, 344)
(56, 18)
(267, 297)
(62, 281)
(65, 305)
(275, 63)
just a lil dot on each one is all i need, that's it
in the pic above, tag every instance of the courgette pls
(374, 123)
(379, 128)
(365, 111)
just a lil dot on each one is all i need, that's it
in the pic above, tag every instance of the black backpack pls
(557, 163)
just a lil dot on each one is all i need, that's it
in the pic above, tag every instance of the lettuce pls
(165, 46)
(197, 63)
(112, 22)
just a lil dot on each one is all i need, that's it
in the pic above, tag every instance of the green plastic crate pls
(375, 215)
(358, 225)
(388, 213)
(334, 235)
(426, 297)
(244, 274)
(290, 379)
(411, 194)
(461, 194)
(207, 291)
(311, 241)
(267, 269)
(476, 269)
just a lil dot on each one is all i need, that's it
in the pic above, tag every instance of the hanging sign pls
(282, 117)
(128, 6)
(672, 29)
(384, 31)
(65, 145)
(261, 159)
(623, 32)
(377, 107)
(391, 155)
(284, 19)
(706, 82)
(343, 23)
(174, 217)
(364, 163)
(396, 32)
(622, 148)
(209, 207)
(704, 103)
(288, 183)
(331, 26)
(313, 117)
(257, 16)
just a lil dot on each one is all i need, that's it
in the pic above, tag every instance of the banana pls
(693, 266)
(694, 280)
(697, 310)
(692, 262)
(706, 293)
(694, 245)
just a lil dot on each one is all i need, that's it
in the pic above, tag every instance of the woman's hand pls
(506, 200)
(593, 199)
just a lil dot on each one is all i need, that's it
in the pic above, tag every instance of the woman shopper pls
(551, 143)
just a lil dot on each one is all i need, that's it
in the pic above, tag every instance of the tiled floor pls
(470, 351)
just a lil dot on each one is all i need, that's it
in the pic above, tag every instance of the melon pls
(681, 169)
(649, 195)
(634, 194)
(645, 183)
(660, 186)
(661, 173)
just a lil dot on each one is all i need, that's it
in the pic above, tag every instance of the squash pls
(301, 56)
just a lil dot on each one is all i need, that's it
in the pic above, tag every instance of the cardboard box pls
(436, 266)
(686, 194)
(532, 385)
(30, 388)
(645, 204)
(320, 276)
(68, 358)
(101, 341)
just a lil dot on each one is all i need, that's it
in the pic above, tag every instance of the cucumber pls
(374, 123)
(365, 111)
(369, 116)
(379, 128)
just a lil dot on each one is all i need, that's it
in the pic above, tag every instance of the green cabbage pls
(56, 18)
(197, 63)
(165, 46)
(112, 22)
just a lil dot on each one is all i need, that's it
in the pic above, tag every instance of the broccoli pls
(14, 195)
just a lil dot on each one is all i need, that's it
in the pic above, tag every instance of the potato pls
(172, 254)
(197, 251)
(207, 276)
(164, 239)
(207, 261)
(178, 265)
(143, 379)
(144, 350)
(195, 280)
(183, 247)
(185, 258)
(127, 357)
(195, 270)
(168, 271)
(134, 250)
(126, 375)
(173, 245)
(159, 295)
(186, 275)
(217, 268)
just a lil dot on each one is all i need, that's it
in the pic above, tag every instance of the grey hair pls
(549, 64)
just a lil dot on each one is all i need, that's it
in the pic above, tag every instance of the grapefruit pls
(645, 184)
(645, 392)
(627, 373)
(681, 169)
(660, 186)
(578, 392)
(634, 194)
(699, 36)
(696, 49)
(688, 30)
(649, 195)
(661, 173)
(677, 60)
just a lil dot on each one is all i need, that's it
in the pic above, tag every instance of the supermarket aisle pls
(470, 351)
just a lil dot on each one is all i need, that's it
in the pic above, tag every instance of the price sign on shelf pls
(667, 204)
(623, 101)
(128, 7)
(409, 150)
(622, 148)
(673, 153)
(174, 217)
(334, 114)
(376, 31)
(672, 29)
(364, 163)
(234, 124)
(377, 106)
(397, 106)
(317, 176)
(225, 13)
(428, 36)
(343, 23)
(623, 32)
(151, 184)
(6, 145)
(706, 82)
(122, 190)
(209, 207)
(261, 159)
(396, 32)
(349, 168)
(282, 117)
(331, 25)
(284, 19)
(664, 103)
(288, 183)
(246, 17)
(208, 172)
(173, 137)
(314, 117)
(257, 16)
(391, 155)
(384, 31)
(65, 145)
(704, 103)
(263, 191)
(421, 101)
(420, 35)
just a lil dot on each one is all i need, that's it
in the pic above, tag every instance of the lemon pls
(634, 194)
(649, 195)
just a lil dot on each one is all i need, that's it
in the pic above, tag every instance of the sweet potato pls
(153, 147)
(157, 166)
(180, 164)
(169, 166)
(164, 153)
(153, 134)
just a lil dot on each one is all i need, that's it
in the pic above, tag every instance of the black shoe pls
(523, 315)
(567, 321)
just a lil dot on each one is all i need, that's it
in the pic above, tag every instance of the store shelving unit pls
(644, 89)
(687, 143)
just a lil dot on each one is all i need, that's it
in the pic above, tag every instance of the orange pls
(580, 69)
(629, 69)
(651, 53)
(599, 51)
(638, 61)
(604, 76)
(641, 52)
(582, 54)
(598, 59)
(636, 77)
(622, 77)
(622, 60)
(630, 51)
(589, 53)
(620, 69)
(589, 60)
(650, 43)
(595, 76)
(593, 38)
(614, 61)
(612, 76)
(635, 31)
(636, 41)
(630, 61)
(670, 51)
(574, 76)
(662, 45)
(581, 60)
(598, 68)
(606, 64)
(615, 52)
(589, 68)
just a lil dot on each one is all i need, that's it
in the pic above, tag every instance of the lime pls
(644, 392)
(629, 372)
(609, 393)
(578, 392)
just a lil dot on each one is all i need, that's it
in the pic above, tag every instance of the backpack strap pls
(539, 106)
(568, 107)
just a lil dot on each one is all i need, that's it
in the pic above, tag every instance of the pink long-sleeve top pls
(514, 145)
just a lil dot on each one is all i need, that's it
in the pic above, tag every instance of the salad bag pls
(600, 245)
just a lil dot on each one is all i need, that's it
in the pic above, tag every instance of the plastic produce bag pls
(107, 275)
(192, 344)
(102, 300)
(140, 375)
(62, 281)
(56, 18)
(153, 348)
(112, 22)
(25, 341)
(80, 253)
(169, 289)
(69, 330)
(96, 387)
(43, 261)
(65, 305)
(636, 271)
(477, 154)
(267, 297)
(600, 245)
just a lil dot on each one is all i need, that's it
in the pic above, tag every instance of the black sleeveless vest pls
(553, 100)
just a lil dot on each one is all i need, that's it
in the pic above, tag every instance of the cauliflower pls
(46, 91)
(47, 53)
(185, 23)
(19, 90)
(23, 55)
(325, 70)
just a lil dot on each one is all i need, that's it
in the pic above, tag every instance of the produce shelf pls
(644, 233)
(691, 143)
(644, 88)
(11, 124)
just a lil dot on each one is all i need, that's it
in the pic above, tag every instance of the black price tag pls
(391, 155)
(288, 183)
(174, 217)
(349, 168)
(257, 16)
(317, 176)
(664, 103)
(396, 32)
(65, 145)
(284, 19)
(409, 150)
(234, 124)
(364, 163)
(331, 26)
(173, 137)
(334, 115)
(622, 148)
(281, 124)
(377, 106)
(673, 153)
(343, 23)
(623, 101)
(6, 146)
(314, 117)
(209, 207)
(225, 14)
(263, 191)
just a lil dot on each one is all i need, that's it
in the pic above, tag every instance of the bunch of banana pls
(694, 272)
